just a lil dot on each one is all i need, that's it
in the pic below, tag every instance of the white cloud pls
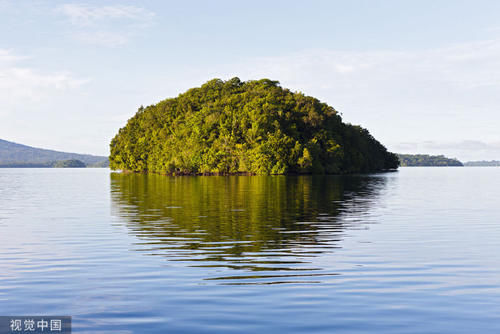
(108, 26)
(81, 14)
(7, 56)
(460, 66)
(22, 83)
(103, 38)
(444, 94)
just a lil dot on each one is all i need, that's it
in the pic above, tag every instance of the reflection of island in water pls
(251, 223)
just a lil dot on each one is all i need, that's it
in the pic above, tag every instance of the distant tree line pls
(483, 163)
(414, 160)
(72, 163)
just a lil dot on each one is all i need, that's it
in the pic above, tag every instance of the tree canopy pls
(256, 127)
(72, 163)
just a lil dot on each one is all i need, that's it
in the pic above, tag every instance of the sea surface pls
(412, 251)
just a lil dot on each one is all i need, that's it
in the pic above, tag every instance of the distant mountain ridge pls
(18, 155)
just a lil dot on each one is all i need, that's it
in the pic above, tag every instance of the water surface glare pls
(414, 251)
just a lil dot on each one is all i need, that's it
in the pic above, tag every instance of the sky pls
(421, 76)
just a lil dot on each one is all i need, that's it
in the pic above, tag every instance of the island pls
(425, 160)
(238, 127)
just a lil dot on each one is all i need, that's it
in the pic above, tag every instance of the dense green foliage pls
(414, 160)
(17, 155)
(100, 164)
(482, 163)
(253, 127)
(69, 164)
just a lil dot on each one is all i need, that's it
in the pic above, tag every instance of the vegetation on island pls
(100, 164)
(415, 160)
(255, 127)
(73, 163)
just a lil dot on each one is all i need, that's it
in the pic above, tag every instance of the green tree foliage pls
(72, 163)
(256, 127)
(414, 160)
(100, 164)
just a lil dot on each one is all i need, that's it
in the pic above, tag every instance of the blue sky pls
(422, 76)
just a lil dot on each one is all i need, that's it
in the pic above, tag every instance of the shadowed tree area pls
(256, 127)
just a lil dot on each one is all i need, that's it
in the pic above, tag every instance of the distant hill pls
(425, 160)
(18, 155)
(492, 163)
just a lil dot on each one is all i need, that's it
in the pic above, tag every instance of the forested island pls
(425, 160)
(252, 127)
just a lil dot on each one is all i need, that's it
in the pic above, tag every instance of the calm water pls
(416, 251)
